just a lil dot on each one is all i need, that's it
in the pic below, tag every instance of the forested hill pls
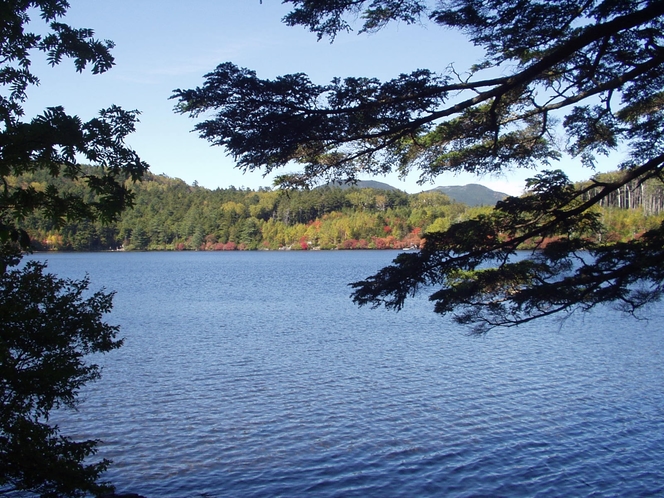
(471, 194)
(171, 215)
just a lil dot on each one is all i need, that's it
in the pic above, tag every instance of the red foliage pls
(413, 239)
(389, 242)
(387, 229)
(379, 243)
(547, 240)
(354, 244)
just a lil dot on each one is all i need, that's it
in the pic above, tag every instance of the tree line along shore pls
(169, 214)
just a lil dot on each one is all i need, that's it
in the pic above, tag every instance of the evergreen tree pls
(595, 67)
(48, 326)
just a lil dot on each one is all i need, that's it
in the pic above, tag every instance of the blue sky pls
(163, 45)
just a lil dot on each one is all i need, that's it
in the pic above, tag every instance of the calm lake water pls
(252, 374)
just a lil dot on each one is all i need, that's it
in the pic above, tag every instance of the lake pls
(253, 374)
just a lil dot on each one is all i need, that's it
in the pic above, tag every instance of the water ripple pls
(252, 374)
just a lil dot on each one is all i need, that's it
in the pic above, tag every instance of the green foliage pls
(591, 71)
(48, 326)
(484, 282)
(54, 141)
(170, 215)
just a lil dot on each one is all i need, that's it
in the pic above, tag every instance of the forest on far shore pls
(171, 215)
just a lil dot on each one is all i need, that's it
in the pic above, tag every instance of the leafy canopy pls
(49, 326)
(55, 141)
(582, 78)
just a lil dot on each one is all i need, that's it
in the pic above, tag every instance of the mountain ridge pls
(471, 194)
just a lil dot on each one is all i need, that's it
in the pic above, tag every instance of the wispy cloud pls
(181, 64)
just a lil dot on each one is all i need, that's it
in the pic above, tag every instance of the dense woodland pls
(170, 215)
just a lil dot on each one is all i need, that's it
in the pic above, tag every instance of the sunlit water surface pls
(252, 374)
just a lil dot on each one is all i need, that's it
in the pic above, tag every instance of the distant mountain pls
(363, 184)
(472, 194)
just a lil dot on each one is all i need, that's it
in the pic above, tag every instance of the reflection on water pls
(253, 374)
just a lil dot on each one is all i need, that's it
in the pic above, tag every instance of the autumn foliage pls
(171, 215)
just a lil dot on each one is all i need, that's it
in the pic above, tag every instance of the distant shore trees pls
(171, 215)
